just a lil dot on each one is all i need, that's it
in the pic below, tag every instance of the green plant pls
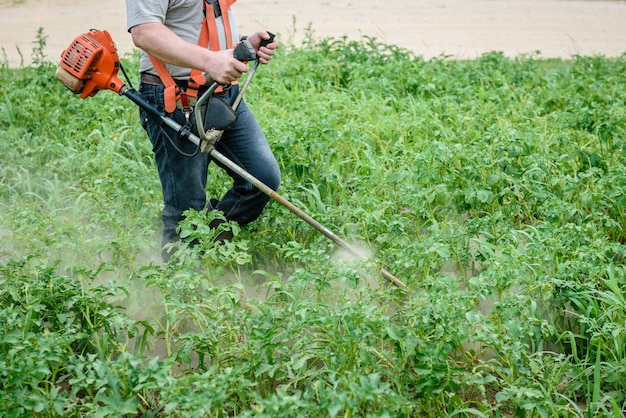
(493, 187)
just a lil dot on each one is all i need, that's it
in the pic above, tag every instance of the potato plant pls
(493, 187)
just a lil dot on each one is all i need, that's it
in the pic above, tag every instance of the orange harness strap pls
(209, 37)
(225, 5)
(196, 77)
(171, 94)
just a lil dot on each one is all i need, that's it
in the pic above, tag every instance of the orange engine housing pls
(92, 61)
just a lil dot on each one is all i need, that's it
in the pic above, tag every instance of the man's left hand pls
(266, 52)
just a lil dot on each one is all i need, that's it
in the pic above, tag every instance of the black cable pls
(126, 76)
(181, 152)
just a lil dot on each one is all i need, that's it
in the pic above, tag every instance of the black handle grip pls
(266, 42)
(244, 51)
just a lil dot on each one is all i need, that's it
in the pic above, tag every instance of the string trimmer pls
(91, 63)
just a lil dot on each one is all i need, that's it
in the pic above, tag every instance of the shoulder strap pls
(209, 38)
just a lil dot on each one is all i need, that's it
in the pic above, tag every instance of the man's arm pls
(159, 41)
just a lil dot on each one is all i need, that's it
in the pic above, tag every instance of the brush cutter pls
(91, 64)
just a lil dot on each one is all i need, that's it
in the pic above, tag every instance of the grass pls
(493, 187)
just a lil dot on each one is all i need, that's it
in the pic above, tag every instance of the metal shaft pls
(298, 212)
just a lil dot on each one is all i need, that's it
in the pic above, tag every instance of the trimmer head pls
(90, 64)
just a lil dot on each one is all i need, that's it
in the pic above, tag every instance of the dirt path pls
(461, 28)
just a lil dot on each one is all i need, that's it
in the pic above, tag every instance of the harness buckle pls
(185, 105)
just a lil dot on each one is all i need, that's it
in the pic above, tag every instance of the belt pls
(155, 80)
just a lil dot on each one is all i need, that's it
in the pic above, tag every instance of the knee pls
(270, 175)
(274, 180)
(274, 175)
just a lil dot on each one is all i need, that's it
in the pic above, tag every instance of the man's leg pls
(182, 169)
(246, 145)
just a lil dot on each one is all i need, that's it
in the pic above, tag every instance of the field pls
(494, 187)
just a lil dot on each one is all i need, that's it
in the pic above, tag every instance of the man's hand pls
(222, 66)
(265, 53)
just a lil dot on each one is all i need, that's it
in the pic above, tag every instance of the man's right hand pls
(222, 66)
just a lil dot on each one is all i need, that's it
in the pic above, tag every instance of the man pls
(169, 32)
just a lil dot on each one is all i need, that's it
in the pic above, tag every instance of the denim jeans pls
(183, 172)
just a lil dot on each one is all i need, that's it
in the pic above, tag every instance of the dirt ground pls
(459, 28)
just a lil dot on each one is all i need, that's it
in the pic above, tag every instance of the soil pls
(432, 28)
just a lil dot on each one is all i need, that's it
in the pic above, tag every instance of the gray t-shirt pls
(183, 17)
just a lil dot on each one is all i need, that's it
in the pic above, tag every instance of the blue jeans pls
(183, 172)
